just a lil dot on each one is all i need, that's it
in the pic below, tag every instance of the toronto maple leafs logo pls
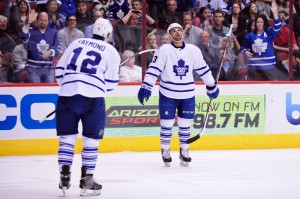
(259, 46)
(181, 69)
(42, 46)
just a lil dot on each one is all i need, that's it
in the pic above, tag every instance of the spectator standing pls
(41, 5)
(191, 33)
(130, 72)
(8, 41)
(169, 15)
(185, 5)
(284, 5)
(19, 59)
(42, 45)
(155, 7)
(281, 44)
(231, 61)
(128, 36)
(118, 9)
(101, 5)
(137, 8)
(203, 18)
(67, 7)
(258, 47)
(88, 33)
(69, 33)
(56, 20)
(250, 11)
(213, 5)
(238, 20)
(217, 30)
(263, 8)
(18, 15)
(83, 16)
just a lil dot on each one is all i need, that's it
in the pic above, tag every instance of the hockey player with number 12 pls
(175, 63)
(87, 70)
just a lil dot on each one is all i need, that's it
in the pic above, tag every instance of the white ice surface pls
(232, 174)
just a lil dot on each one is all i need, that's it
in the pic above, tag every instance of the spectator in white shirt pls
(130, 72)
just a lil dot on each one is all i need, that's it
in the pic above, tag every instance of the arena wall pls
(246, 115)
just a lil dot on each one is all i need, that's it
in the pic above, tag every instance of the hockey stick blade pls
(193, 139)
(47, 116)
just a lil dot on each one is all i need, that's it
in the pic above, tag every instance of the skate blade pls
(167, 164)
(183, 163)
(64, 190)
(89, 192)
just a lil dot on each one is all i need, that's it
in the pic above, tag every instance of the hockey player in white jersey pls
(175, 63)
(87, 70)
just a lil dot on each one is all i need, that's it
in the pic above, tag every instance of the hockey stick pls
(196, 137)
(47, 116)
(138, 53)
(129, 58)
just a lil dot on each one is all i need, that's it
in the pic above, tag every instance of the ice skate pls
(65, 177)
(166, 156)
(88, 185)
(184, 157)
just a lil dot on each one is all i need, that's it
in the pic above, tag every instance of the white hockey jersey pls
(176, 65)
(88, 67)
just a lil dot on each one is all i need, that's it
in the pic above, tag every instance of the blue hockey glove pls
(212, 92)
(144, 93)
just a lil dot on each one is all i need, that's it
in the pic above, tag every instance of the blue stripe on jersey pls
(152, 74)
(156, 68)
(111, 81)
(84, 83)
(262, 63)
(60, 68)
(87, 75)
(177, 90)
(173, 83)
(204, 72)
(35, 64)
(58, 77)
(201, 68)
(148, 84)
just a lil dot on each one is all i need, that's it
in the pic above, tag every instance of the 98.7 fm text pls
(223, 120)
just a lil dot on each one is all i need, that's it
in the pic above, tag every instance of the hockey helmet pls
(171, 26)
(102, 27)
(174, 25)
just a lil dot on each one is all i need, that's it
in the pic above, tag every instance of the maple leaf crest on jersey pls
(181, 69)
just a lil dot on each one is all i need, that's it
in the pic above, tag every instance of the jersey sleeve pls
(155, 68)
(112, 73)
(63, 63)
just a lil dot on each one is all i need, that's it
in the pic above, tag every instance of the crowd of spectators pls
(35, 33)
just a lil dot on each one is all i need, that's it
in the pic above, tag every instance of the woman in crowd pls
(203, 18)
(258, 47)
(56, 20)
(18, 15)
